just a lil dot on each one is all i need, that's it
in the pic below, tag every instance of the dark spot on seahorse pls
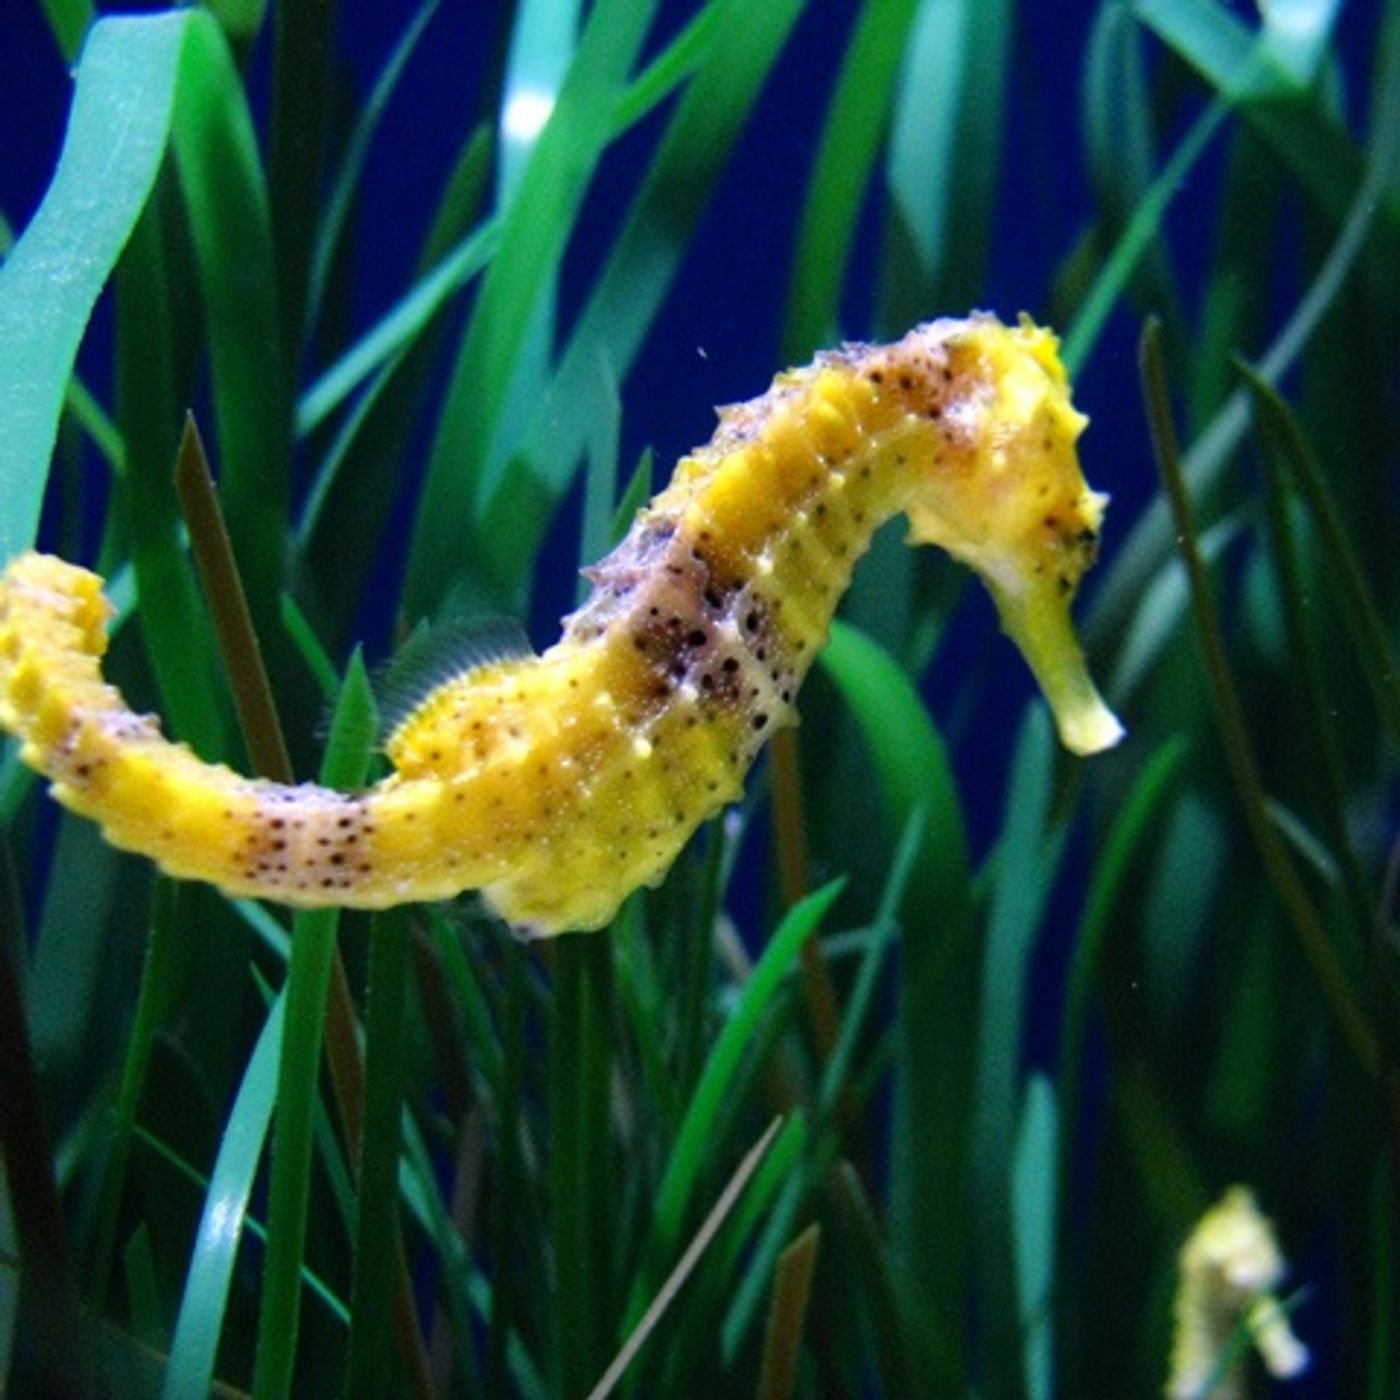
(760, 720)
(1065, 585)
(695, 637)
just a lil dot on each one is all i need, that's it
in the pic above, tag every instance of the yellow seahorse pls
(557, 784)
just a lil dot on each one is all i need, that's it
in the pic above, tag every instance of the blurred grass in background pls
(1007, 1071)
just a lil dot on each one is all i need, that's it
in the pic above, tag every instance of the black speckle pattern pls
(307, 838)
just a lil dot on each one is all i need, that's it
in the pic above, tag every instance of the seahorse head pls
(1002, 490)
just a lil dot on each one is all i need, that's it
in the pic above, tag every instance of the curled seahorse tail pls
(198, 820)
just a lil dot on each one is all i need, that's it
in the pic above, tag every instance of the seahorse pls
(556, 784)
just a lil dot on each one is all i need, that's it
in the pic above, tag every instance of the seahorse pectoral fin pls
(1036, 617)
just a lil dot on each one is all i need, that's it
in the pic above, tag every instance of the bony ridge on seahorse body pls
(557, 784)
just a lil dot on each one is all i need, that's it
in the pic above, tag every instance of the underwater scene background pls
(918, 1071)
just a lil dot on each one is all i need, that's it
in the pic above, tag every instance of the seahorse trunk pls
(557, 784)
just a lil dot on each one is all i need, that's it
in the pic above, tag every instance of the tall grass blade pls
(1124, 843)
(330, 228)
(228, 602)
(945, 157)
(743, 43)
(535, 226)
(174, 626)
(1334, 983)
(301, 83)
(230, 225)
(938, 977)
(397, 329)
(1034, 1191)
(204, 1303)
(782, 1175)
(160, 988)
(70, 21)
(1142, 228)
(1149, 542)
(49, 1296)
(584, 1198)
(856, 120)
(117, 129)
(719, 1212)
(707, 1110)
(1028, 857)
(1359, 610)
(792, 1286)
(308, 986)
(376, 1222)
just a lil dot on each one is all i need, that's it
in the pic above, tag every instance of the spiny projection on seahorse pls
(557, 784)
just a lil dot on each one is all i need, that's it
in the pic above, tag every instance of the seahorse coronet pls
(556, 784)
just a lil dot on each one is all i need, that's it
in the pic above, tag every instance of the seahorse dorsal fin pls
(436, 654)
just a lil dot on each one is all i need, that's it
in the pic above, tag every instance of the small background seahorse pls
(556, 784)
